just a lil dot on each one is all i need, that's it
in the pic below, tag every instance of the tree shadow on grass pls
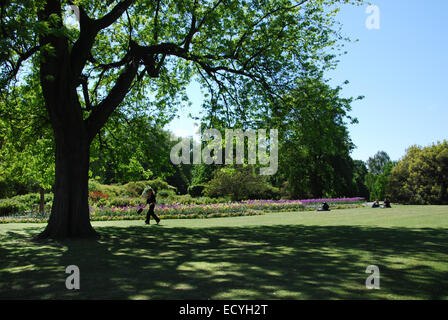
(260, 262)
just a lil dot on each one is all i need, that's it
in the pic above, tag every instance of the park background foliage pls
(132, 149)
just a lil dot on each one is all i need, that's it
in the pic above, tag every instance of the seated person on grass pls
(386, 204)
(325, 207)
(376, 204)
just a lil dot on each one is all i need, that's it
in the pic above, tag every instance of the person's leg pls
(148, 216)
(155, 217)
(151, 208)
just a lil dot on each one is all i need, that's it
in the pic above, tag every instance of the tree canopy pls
(421, 176)
(140, 55)
(315, 144)
(152, 49)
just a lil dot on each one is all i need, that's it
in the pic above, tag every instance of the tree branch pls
(85, 92)
(104, 109)
(193, 28)
(81, 50)
(113, 15)
(156, 27)
(251, 29)
(15, 66)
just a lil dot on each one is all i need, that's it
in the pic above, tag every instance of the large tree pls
(421, 176)
(376, 180)
(378, 162)
(315, 144)
(138, 50)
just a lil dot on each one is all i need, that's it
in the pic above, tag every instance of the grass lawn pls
(303, 255)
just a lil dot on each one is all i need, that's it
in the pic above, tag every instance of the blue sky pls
(401, 69)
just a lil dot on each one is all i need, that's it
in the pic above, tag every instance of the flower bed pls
(194, 211)
(199, 211)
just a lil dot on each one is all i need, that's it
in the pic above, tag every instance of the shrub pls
(207, 200)
(10, 206)
(112, 190)
(267, 192)
(421, 176)
(187, 199)
(158, 184)
(179, 199)
(130, 189)
(240, 183)
(136, 188)
(96, 196)
(196, 190)
(125, 201)
(166, 193)
(94, 185)
(31, 199)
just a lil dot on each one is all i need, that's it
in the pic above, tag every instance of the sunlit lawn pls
(303, 255)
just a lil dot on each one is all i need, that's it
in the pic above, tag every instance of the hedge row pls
(138, 217)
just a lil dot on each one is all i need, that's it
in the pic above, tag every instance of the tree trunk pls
(42, 200)
(70, 211)
(315, 181)
(60, 76)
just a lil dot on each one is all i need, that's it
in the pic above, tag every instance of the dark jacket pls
(151, 199)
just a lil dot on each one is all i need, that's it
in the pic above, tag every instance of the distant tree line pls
(419, 177)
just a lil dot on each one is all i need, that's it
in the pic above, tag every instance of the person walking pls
(151, 201)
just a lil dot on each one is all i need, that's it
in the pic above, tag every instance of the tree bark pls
(60, 76)
(70, 216)
(42, 200)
